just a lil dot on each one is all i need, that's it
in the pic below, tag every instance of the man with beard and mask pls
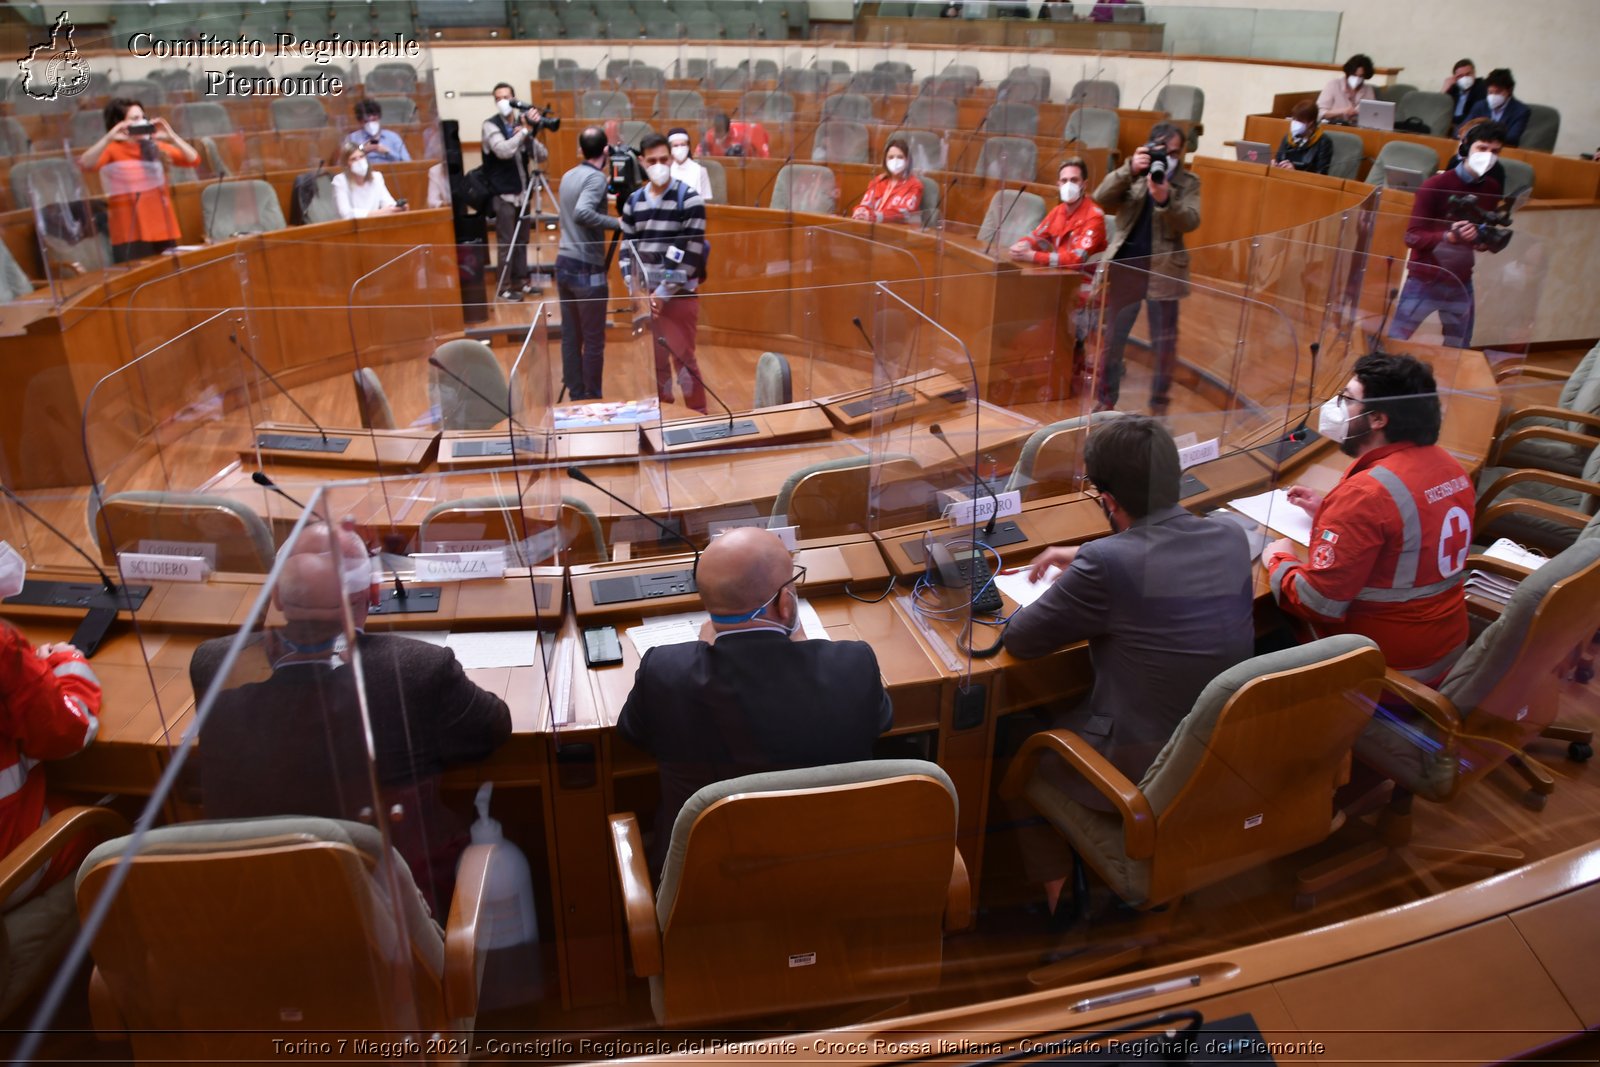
(1165, 604)
(1389, 543)
(752, 694)
(1444, 246)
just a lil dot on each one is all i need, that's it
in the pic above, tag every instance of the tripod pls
(534, 188)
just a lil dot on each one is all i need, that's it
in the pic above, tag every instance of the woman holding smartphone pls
(131, 158)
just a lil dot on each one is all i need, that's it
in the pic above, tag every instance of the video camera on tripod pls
(626, 173)
(545, 121)
(1494, 225)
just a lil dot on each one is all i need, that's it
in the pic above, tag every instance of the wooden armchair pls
(568, 533)
(228, 935)
(1573, 422)
(1249, 775)
(1498, 699)
(796, 890)
(1538, 508)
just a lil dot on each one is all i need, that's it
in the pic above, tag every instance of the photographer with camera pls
(1156, 201)
(1445, 236)
(509, 146)
(380, 145)
(131, 158)
(581, 267)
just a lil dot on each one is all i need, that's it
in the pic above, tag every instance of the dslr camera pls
(1494, 225)
(545, 121)
(1158, 162)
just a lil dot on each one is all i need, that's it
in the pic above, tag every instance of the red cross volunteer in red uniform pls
(1389, 543)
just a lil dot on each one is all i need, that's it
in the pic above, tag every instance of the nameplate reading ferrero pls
(459, 566)
(149, 567)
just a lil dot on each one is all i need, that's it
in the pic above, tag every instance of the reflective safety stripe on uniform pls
(1405, 564)
(75, 668)
(1399, 595)
(14, 777)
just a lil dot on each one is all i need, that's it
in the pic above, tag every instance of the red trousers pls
(677, 323)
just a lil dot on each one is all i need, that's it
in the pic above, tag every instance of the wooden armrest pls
(1535, 508)
(1552, 411)
(1548, 433)
(1515, 572)
(1423, 699)
(1138, 822)
(1530, 370)
(463, 963)
(60, 830)
(958, 899)
(638, 899)
(1535, 474)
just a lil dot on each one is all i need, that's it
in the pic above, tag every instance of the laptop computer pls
(1375, 115)
(1253, 151)
(1402, 178)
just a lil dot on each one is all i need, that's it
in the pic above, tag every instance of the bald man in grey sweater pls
(581, 270)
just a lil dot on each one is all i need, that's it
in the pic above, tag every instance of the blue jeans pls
(583, 327)
(1421, 298)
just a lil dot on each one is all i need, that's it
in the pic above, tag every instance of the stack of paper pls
(1511, 552)
(1016, 587)
(677, 629)
(1490, 586)
(1274, 511)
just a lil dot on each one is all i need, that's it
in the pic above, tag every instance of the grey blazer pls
(1166, 606)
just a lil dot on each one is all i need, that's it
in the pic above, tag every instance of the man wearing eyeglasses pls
(751, 695)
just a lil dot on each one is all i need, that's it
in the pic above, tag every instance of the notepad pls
(1274, 511)
(495, 648)
(1508, 550)
(1016, 586)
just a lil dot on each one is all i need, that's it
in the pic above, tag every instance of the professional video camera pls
(1494, 225)
(1158, 162)
(545, 121)
(627, 173)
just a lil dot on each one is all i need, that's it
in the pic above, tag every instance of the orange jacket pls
(1069, 235)
(891, 199)
(1388, 554)
(138, 203)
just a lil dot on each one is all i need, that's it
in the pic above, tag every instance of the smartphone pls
(402, 203)
(601, 647)
(142, 129)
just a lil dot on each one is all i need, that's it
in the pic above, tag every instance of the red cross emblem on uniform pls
(1455, 541)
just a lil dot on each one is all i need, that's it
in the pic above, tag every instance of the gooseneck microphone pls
(862, 330)
(577, 475)
(234, 338)
(261, 479)
(988, 529)
(497, 407)
(662, 341)
(110, 586)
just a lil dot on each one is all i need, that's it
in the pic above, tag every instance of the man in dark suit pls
(1500, 106)
(749, 697)
(286, 735)
(1165, 604)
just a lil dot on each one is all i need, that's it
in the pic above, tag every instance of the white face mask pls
(13, 571)
(680, 152)
(1496, 100)
(372, 127)
(895, 165)
(1297, 128)
(659, 173)
(1465, 82)
(1071, 191)
(358, 167)
(503, 106)
(1355, 81)
(1479, 161)
(1332, 422)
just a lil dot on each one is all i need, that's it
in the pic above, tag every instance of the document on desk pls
(677, 629)
(1274, 511)
(495, 648)
(1015, 585)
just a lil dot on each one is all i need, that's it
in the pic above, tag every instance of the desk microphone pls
(863, 331)
(110, 586)
(1164, 78)
(234, 338)
(1094, 77)
(261, 479)
(988, 529)
(577, 475)
(662, 342)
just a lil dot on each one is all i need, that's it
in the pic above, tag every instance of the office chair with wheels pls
(796, 890)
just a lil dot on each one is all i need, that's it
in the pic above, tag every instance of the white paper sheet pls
(1274, 511)
(1017, 587)
(667, 630)
(495, 648)
(811, 623)
(432, 637)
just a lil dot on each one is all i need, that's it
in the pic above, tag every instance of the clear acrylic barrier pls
(393, 336)
(298, 716)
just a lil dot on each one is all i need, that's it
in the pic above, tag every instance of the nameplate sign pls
(968, 512)
(1193, 455)
(153, 567)
(459, 566)
(456, 548)
(204, 549)
(786, 534)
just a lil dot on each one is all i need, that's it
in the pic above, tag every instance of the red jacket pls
(47, 711)
(891, 199)
(749, 138)
(1388, 554)
(1069, 235)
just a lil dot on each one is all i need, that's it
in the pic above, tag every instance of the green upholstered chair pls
(796, 889)
(461, 408)
(1020, 119)
(574, 536)
(1009, 159)
(836, 496)
(1435, 110)
(1011, 214)
(1348, 151)
(1544, 127)
(240, 206)
(840, 141)
(805, 187)
(1408, 155)
(1537, 508)
(774, 383)
(1051, 457)
(1560, 437)
(241, 539)
(372, 400)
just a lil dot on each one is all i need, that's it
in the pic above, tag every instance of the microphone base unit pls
(708, 431)
(622, 590)
(45, 593)
(1293, 446)
(500, 447)
(1005, 533)
(1189, 486)
(294, 442)
(867, 405)
(419, 600)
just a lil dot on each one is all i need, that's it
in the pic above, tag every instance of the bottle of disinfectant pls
(508, 928)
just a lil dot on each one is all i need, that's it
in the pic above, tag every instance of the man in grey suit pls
(1165, 604)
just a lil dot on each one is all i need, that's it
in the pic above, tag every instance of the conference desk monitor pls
(904, 398)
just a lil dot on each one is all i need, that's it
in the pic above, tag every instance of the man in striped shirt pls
(664, 223)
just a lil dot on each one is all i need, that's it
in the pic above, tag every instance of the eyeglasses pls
(798, 578)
